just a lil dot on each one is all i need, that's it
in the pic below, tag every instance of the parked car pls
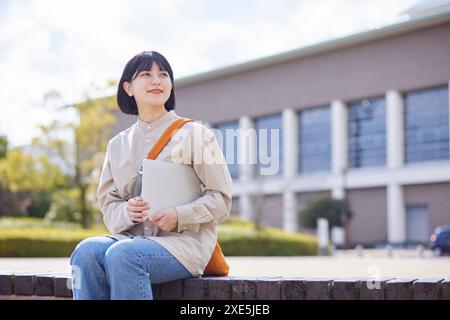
(440, 241)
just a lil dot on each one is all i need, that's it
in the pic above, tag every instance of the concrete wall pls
(235, 206)
(369, 222)
(272, 210)
(436, 196)
(402, 62)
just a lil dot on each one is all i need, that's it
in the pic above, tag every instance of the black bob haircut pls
(142, 62)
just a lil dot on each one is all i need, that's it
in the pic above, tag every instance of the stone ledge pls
(45, 286)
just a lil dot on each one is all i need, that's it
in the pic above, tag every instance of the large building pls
(364, 117)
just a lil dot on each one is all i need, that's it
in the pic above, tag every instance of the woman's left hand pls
(166, 219)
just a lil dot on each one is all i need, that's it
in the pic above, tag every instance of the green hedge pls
(236, 237)
(241, 238)
(42, 242)
(23, 247)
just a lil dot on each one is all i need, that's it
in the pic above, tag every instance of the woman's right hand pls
(137, 209)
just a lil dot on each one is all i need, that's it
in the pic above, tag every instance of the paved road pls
(372, 263)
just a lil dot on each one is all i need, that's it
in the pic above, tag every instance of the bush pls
(12, 203)
(43, 242)
(35, 223)
(335, 211)
(28, 237)
(239, 237)
(40, 204)
(34, 237)
(65, 206)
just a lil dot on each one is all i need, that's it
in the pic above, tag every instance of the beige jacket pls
(194, 239)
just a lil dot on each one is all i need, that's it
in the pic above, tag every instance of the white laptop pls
(166, 184)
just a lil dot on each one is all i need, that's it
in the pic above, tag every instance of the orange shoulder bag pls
(217, 265)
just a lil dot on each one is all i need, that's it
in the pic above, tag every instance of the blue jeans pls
(104, 268)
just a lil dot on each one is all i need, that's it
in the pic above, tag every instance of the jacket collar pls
(149, 126)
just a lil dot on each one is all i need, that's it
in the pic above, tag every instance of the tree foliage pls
(26, 182)
(335, 211)
(21, 171)
(3, 146)
(81, 146)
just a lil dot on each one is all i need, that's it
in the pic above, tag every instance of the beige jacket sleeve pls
(112, 205)
(215, 204)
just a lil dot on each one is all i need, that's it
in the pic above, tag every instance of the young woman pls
(175, 243)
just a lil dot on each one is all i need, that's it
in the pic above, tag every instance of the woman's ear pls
(128, 88)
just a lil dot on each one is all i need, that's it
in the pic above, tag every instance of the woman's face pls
(150, 87)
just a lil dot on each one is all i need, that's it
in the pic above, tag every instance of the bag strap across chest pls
(166, 136)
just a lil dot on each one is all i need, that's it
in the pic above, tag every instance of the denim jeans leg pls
(88, 272)
(132, 265)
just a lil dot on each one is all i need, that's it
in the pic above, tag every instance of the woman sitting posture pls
(174, 243)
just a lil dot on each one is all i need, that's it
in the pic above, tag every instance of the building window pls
(315, 139)
(426, 125)
(367, 133)
(269, 135)
(229, 143)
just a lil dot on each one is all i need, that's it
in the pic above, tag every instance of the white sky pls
(67, 45)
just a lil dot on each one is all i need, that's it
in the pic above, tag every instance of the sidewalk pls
(403, 264)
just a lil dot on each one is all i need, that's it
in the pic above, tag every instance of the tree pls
(21, 176)
(21, 171)
(83, 156)
(3, 146)
(335, 211)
